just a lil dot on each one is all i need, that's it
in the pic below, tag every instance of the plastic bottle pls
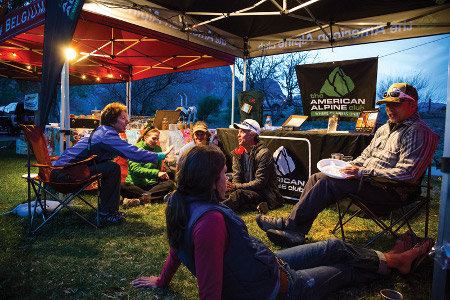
(165, 124)
(268, 124)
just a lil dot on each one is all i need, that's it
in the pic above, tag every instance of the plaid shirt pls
(399, 152)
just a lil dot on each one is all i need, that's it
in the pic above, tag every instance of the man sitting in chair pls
(106, 143)
(401, 150)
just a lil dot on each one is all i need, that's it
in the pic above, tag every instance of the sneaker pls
(266, 223)
(131, 202)
(286, 238)
(112, 218)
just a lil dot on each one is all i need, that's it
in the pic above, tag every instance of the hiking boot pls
(266, 223)
(111, 217)
(285, 238)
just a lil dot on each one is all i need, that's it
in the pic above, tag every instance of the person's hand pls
(351, 171)
(145, 282)
(163, 176)
(230, 186)
(168, 150)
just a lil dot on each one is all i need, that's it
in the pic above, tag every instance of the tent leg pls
(232, 95)
(439, 275)
(245, 75)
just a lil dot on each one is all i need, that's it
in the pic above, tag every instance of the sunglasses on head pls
(248, 124)
(396, 93)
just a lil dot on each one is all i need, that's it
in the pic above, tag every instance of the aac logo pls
(338, 84)
(283, 162)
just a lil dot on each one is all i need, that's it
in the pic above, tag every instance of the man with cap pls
(200, 136)
(254, 184)
(401, 150)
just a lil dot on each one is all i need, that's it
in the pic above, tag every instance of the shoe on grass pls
(111, 218)
(131, 202)
(266, 223)
(286, 238)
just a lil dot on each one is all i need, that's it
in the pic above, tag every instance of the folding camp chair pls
(411, 206)
(78, 173)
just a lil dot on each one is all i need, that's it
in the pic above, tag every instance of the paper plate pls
(331, 167)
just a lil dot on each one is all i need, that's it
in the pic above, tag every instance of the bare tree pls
(147, 94)
(424, 88)
(7, 6)
(288, 77)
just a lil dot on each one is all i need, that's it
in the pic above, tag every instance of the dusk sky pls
(428, 57)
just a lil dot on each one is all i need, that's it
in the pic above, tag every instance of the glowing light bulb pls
(70, 54)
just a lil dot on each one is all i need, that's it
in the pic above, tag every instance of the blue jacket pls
(250, 269)
(106, 144)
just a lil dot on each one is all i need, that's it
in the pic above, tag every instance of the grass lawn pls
(69, 259)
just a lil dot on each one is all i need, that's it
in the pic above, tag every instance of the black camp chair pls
(355, 207)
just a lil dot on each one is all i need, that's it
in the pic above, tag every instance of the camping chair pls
(78, 173)
(412, 205)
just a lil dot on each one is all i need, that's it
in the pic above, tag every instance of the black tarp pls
(344, 87)
(297, 153)
(60, 22)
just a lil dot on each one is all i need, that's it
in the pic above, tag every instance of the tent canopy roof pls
(251, 28)
(108, 50)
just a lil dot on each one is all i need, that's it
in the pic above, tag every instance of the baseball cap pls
(399, 92)
(200, 127)
(248, 124)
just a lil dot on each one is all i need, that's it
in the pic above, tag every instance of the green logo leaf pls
(337, 84)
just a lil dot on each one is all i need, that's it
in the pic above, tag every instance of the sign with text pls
(31, 101)
(345, 88)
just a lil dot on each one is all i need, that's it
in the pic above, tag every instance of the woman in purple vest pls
(213, 243)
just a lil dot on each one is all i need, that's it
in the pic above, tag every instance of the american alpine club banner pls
(344, 87)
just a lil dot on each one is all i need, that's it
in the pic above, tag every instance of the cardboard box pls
(294, 122)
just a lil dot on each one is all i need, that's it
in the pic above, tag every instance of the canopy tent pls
(109, 50)
(249, 28)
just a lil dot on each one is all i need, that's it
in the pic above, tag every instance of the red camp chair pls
(79, 173)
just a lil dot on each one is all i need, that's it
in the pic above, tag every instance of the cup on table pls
(173, 127)
(337, 156)
(347, 158)
(387, 294)
(146, 198)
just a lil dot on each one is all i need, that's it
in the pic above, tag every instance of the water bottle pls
(268, 124)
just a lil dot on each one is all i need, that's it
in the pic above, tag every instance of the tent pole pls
(65, 108)
(128, 92)
(232, 96)
(245, 74)
(439, 275)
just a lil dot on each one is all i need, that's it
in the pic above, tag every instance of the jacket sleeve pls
(170, 268)
(209, 236)
(264, 165)
(114, 144)
(139, 170)
(237, 176)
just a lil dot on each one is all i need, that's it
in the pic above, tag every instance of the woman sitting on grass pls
(213, 243)
(147, 177)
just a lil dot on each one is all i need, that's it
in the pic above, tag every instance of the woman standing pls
(213, 243)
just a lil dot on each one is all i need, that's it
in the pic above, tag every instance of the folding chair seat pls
(77, 181)
(354, 207)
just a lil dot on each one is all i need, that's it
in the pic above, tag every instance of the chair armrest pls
(54, 158)
(92, 157)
